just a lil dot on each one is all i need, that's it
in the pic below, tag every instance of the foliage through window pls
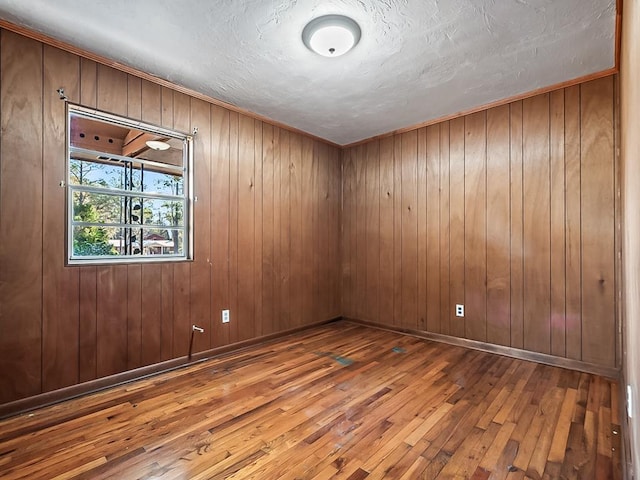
(129, 190)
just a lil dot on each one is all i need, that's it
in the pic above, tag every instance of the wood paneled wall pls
(630, 157)
(510, 211)
(267, 225)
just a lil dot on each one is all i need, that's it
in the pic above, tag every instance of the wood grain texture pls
(360, 284)
(598, 192)
(558, 236)
(182, 271)
(425, 304)
(60, 290)
(246, 228)
(475, 226)
(297, 412)
(508, 211)
(219, 223)
(200, 290)
(372, 212)
(630, 173)
(21, 245)
(434, 255)
(516, 200)
(536, 226)
(445, 231)
(77, 324)
(348, 216)
(456, 225)
(409, 231)
(385, 242)
(498, 227)
(269, 231)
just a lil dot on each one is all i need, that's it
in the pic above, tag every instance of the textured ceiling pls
(417, 60)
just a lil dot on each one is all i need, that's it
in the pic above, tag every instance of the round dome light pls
(331, 35)
(157, 145)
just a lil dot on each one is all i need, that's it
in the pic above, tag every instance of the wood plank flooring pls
(338, 401)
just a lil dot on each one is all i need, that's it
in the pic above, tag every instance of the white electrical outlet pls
(225, 316)
(629, 402)
(459, 310)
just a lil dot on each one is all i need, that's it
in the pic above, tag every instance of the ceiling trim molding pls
(487, 106)
(67, 47)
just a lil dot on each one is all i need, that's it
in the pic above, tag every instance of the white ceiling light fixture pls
(331, 35)
(157, 145)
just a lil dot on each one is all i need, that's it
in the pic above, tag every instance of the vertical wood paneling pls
(456, 224)
(295, 228)
(360, 231)
(475, 246)
(200, 280)
(335, 215)
(60, 333)
(348, 230)
(285, 232)
(257, 220)
(372, 173)
(598, 254)
(387, 195)
(111, 320)
(397, 231)
(182, 271)
(423, 233)
(21, 217)
(219, 223)
(234, 182)
(134, 316)
(319, 305)
(498, 227)
(151, 102)
(269, 277)
(151, 314)
(558, 240)
(409, 230)
(516, 232)
(87, 324)
(434, 256)
(629, 168)
(495, 210)
(537, 260)
(277, 219)
(246, 229)
(306, 218)
(445, 231)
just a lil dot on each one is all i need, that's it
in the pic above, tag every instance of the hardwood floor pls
(338, 401)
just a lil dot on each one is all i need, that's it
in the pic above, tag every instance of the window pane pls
(98, 208)
(106, 175)
(166, 183)
(163, 212)
(95, 241)
(163, 242)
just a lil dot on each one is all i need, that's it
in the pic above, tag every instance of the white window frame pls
(186, 197)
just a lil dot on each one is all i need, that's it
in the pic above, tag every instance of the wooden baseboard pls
(56, 396)
(609, 372)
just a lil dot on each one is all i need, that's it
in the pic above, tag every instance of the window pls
(129, 190)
